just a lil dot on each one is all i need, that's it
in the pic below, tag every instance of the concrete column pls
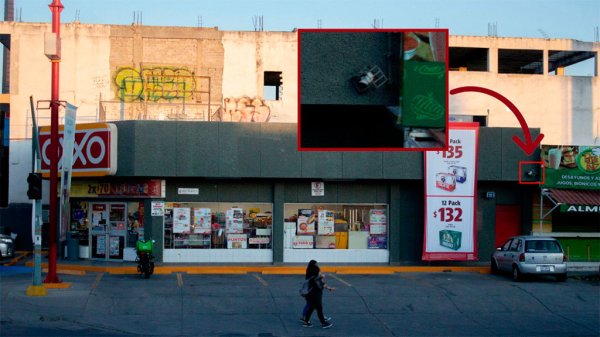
(277, 235)
(545, 64)
(154, 229)
(394, 218)
(493, 60)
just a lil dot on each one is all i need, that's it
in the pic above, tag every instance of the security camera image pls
(372, 89)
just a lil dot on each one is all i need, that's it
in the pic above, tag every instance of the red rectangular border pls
(543, 169)
(352, 30)
(449, 256)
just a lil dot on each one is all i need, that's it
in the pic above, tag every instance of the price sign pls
(450, 196)
(449, 216)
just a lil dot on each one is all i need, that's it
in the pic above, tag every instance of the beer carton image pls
(450, 239)
(445, 181)
(459, 172)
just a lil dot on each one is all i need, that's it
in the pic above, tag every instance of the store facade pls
(242, 193)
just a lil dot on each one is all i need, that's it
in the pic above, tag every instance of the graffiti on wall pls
(245, 109)
(161, 83)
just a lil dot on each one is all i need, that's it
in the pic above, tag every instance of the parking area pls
(256, 304)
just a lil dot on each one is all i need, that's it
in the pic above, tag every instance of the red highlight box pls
(542, 170)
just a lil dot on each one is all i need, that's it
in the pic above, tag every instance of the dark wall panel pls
(362, 165)
(239, 150)
(403, 165)
(196, 151)
(279, 156)
(490, 154)
(155, 152)
(326, 165)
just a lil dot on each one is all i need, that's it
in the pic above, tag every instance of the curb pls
(266, 270)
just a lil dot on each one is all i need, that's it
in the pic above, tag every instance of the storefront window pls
(217, 226)
(335, 226)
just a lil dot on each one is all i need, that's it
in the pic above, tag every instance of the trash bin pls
(72, 246)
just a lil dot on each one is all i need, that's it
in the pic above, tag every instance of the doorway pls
(108, 231)
(508, 223)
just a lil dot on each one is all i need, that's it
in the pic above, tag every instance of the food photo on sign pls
(571, 166)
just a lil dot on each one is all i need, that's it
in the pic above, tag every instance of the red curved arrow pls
(528, 146)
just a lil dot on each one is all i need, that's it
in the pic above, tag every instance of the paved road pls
(403, 304)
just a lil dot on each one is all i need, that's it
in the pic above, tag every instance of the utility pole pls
(55, 7)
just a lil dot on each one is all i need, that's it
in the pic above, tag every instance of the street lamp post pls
(55, 7)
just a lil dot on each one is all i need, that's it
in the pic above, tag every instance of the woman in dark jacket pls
(314, 299)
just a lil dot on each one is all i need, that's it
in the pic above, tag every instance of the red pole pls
(55, 7)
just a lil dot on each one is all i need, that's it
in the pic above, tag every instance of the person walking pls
(314, 299)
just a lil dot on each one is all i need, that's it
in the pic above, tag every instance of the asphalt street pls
(253, 304)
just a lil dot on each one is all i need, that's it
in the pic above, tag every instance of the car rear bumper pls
(7, 250)
(543, 268)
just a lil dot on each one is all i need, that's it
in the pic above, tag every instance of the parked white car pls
(7, 246)
(530, 255)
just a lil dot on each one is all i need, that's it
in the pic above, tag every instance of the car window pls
(544, 246)
(515, 245)
(506, 244)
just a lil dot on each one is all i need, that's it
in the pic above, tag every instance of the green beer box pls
(450, 239)
(424, 94)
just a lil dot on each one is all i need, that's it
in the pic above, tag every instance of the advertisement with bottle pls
(450, 232)
(571, 166)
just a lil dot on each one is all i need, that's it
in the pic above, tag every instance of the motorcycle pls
(144, 259)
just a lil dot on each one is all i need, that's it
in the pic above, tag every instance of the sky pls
(572, 19)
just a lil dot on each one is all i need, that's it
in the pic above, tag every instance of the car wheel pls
(561, 277)
(516, 275)
(494, 267)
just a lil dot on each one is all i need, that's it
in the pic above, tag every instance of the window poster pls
(234, 221)
(450, 197)
(114, 246)
(181, 220)
(101, 245)
(202, 218)
(377, 221)
(326, 224)
(306, 222)
(237, 241)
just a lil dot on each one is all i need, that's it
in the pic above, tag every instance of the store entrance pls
(108, 232)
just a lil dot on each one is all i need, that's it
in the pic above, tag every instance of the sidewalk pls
(80, 267)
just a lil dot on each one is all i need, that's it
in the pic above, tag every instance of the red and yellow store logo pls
(94, 150)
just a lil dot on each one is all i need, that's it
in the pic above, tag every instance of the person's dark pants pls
(315, 302)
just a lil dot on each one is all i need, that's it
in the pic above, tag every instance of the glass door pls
(108, 232)
(99, 230)
(117, 233)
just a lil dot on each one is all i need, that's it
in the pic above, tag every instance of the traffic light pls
(35, 186)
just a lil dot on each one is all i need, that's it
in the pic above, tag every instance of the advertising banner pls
(234, 222)
(377, 222)
(450, 190)
(181, 220)
(572, 167)
(66, 164)
(306, 222)
(237, 241)
(326, 225)
(152, 188)
(202, 217)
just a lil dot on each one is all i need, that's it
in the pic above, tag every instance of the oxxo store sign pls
(94, 151)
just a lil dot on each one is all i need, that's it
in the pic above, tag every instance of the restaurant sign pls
(572, 167)
(580, 208)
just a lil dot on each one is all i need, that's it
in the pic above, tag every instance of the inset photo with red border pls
(372, 89)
